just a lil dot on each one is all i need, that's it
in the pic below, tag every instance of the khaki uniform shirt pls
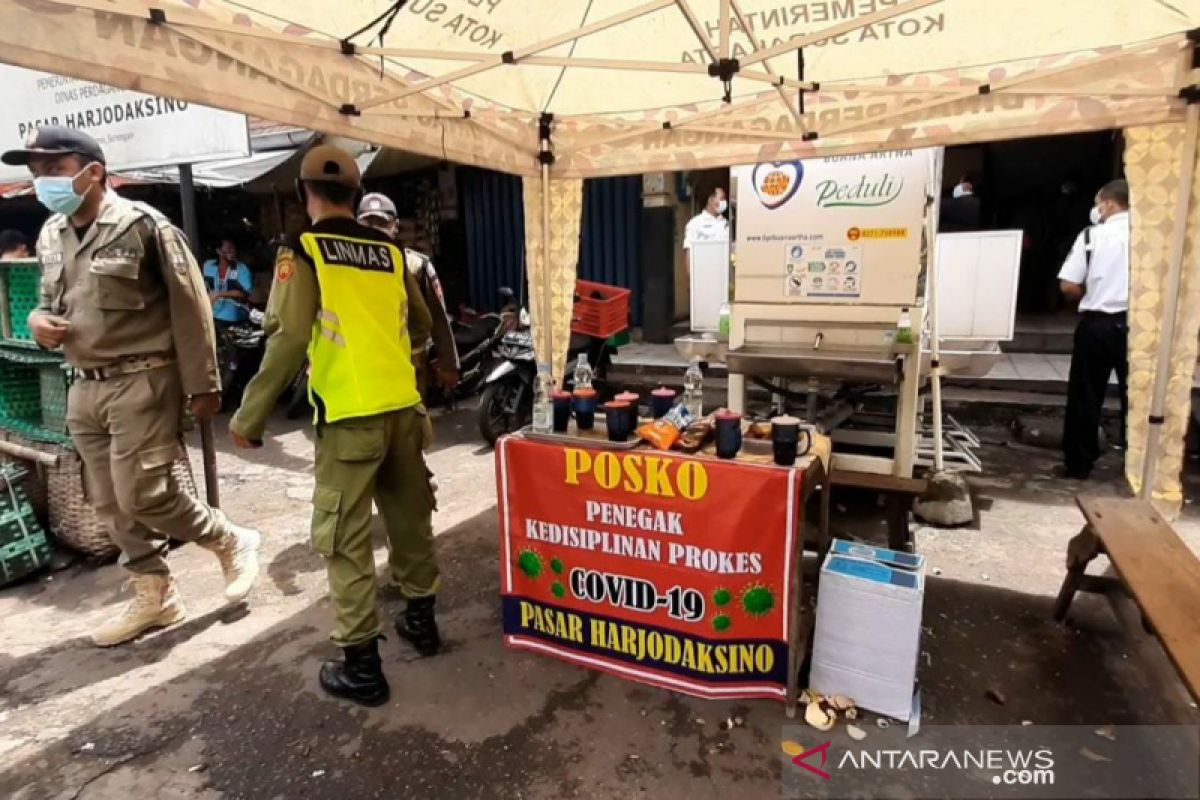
(422, 269)
(292, 311)
(130, 288)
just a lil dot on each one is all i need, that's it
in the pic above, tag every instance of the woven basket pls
(71, 517)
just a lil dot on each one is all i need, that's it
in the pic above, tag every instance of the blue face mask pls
(58, 194)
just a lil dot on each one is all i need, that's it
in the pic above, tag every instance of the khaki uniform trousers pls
(126, 429)
(358, 461)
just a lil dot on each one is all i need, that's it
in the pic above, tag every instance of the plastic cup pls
(616, 418)
(584, 402)
(729, 434)
(562, 410)
(632, 399)
(661, 400)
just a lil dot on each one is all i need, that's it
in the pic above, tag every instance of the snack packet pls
(664, 432)
(696, 435)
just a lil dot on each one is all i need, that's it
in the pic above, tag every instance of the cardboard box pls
(868, 630)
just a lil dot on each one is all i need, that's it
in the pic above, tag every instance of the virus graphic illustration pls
(558, 590)
(530, 563)
(758, 600)
(556, 566)
(721, 623)
(721, 597)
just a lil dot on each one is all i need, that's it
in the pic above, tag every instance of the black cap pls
(54, 140)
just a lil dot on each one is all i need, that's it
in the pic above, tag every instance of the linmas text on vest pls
(144, 108)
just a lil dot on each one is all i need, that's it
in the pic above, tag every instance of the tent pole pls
(935, 334)
(547, 288)
(1158, 399)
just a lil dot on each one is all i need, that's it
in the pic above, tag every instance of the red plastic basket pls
(600, 310)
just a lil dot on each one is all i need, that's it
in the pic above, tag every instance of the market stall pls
(676, 570)
(526, 89)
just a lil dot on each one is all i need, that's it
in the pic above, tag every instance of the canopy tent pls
(578, 88)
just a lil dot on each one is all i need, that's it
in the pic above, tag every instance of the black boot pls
(418, 627)
(358, 677)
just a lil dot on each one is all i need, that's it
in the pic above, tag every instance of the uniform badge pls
(285, 265)
(31, 138)
(179, 260)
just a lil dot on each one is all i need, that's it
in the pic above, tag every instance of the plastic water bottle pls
(543, 404)
(723, 323)
(583, 372)
(693, 388)
(904, 331)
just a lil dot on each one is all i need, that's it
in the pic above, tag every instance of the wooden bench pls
(1152, 565)
(898, 493)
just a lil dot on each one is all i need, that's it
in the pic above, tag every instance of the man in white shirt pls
(1096, 274)
(709, 225)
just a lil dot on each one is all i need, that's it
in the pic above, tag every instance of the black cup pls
(661, 401)
(785, 440)
(584, 403)
(616, 419)
(729, 434)
(562, 411)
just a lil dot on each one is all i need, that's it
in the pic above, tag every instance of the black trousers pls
(1100, 349)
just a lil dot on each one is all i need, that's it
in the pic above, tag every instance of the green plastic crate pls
(55, 380)
(23, 282)
(23, 545)
(20, 392)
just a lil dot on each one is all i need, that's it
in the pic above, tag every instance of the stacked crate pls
(23, 545)
(33, 383)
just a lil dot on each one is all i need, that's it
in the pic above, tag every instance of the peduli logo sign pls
(777, 182)
(869, 191)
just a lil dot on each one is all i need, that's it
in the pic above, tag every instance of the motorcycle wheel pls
(496, 416)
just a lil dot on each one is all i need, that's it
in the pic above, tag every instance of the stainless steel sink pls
(876, 366)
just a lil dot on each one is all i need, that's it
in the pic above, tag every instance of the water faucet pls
(817, 341)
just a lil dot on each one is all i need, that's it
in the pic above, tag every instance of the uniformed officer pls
(342, 294)
(123, 297)
(1096, 275)
(379, 212)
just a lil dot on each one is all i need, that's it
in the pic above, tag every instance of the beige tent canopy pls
(567, 89)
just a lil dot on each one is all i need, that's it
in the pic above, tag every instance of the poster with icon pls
(839, 229)
(823, 271)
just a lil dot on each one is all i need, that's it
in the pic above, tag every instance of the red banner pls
(658, 567)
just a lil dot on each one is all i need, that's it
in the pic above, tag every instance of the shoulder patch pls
(285, 265)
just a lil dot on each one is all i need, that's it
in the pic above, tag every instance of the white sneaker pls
(156, 604)
(237, 551)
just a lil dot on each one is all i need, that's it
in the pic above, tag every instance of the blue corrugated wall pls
(611, 236)
(495, 226)
(494, 217)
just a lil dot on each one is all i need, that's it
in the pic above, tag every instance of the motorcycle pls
(507, 401)
(240, 348)
(476, 338)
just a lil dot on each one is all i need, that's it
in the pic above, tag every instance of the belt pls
(125, 366)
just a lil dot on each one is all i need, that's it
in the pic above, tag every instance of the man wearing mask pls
(343, 295)
(1096, 275)
(379, 212)
(962, 211)
(229, 283)
(122, 296)
(709, 225)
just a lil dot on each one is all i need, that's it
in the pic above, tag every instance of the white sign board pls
(135, 130)
(843, 229)
(977, 284)
(710, 284)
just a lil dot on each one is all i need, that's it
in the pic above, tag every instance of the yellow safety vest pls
(360, 355)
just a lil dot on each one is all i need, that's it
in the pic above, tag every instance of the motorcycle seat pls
(468, 337)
